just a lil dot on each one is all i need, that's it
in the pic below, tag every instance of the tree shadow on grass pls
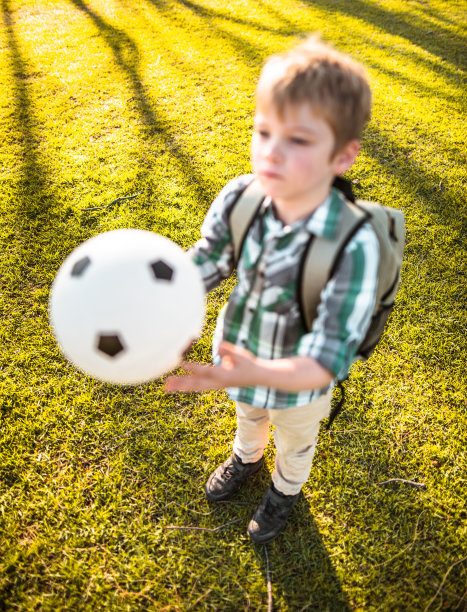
(35, 196)
(393, 155)
(250, 53)
(418, 31)
(155, 124)
(173, 52)
(126, 55)
(286, 28)
(35, 202)
(443, 202)
(402, 58)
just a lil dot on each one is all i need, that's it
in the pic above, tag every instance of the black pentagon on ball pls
(162, 270)
(110, 344)
(80, 266)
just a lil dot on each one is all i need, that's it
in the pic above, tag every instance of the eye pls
(300, 141)
(262, 133)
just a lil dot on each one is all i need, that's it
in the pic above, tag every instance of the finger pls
(227, 348)
(200, 377)
(187, 365)
(186, 384)
(175, 384)
(193, 367)
(172, 384)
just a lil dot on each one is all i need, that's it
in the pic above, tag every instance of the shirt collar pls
(324, 221)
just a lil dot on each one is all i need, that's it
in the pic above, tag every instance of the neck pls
(290, 211)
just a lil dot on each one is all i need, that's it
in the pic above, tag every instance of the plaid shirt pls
(263, 314)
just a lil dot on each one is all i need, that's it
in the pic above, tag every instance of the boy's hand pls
(237, 369)
(240, 368)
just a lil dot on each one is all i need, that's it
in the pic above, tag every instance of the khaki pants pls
(295, 434)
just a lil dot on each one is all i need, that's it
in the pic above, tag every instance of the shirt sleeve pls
(346, 307)
(214, 252)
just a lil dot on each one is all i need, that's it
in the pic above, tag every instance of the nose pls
(272, 149)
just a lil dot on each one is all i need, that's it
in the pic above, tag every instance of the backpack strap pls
(243, 213)
(321, 257)
(338, 407)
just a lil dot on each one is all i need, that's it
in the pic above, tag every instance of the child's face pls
(293, 157)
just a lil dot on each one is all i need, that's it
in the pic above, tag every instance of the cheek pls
(254, 150)
(301, 162)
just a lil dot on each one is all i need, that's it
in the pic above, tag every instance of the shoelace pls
(230, 471)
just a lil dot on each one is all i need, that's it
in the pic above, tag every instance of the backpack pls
(322, 256)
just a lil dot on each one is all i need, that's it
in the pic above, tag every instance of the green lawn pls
(107, 98)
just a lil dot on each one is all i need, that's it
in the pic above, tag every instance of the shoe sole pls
(263, 541)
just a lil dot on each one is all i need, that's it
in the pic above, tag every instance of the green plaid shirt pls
(263, 314)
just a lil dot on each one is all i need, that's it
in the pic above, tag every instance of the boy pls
(311, 106)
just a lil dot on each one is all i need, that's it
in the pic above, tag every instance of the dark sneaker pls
(228, 477)
(271, 515)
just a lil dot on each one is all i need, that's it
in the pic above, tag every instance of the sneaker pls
(229, 476)
(271, 515)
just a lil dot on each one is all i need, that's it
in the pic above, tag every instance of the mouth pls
(270, 174)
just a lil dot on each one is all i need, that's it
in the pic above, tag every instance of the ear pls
(344, 158)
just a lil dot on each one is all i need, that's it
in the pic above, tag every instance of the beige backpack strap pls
(320, 258)
(243, 213)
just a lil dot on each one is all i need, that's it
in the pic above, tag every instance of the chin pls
(271, 187)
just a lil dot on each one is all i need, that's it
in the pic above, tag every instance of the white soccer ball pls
(125, 305)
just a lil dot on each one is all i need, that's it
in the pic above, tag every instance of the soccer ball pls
(125, 305)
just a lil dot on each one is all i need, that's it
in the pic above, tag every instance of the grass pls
(102, 99)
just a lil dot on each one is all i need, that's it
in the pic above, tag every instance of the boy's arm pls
(240, 368)
(213, 254)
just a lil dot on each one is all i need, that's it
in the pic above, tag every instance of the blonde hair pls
(334, 85)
